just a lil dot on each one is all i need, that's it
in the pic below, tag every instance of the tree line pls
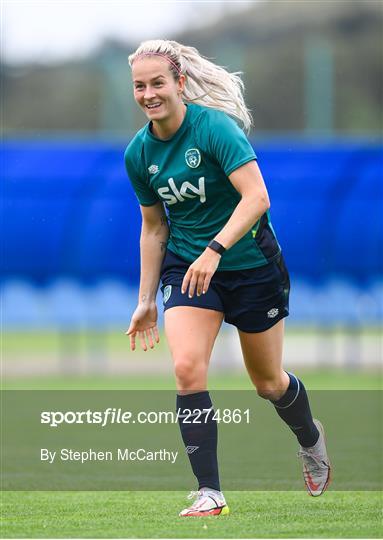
(300, 61)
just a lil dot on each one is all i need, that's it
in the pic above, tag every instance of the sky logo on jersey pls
(172, 195)
(193, 157)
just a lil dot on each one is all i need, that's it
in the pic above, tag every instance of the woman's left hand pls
(199, 274)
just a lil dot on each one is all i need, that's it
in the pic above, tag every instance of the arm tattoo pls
(163, 246)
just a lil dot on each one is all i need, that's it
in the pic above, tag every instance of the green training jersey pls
(189, 174)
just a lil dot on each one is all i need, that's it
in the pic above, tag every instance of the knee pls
(189, 373)
(272, 390)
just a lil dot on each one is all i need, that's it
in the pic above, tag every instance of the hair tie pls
(163, 56)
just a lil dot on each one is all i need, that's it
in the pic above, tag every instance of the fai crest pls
(193, 157)
(167, 293)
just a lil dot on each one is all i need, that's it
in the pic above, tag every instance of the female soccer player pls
(214, 249)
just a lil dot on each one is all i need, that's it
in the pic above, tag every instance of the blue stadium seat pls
(23, 306)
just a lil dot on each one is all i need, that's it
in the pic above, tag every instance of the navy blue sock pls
(200, 437)
(294, 408)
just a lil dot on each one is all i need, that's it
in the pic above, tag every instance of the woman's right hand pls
(144, 323)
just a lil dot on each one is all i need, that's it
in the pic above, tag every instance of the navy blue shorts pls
(253, 300)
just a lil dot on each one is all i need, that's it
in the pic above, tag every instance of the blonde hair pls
(206, 83)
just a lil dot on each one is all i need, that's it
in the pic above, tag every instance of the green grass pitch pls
(155, 514)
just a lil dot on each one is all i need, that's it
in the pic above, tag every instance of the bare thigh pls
(191, 333)
(262, 353)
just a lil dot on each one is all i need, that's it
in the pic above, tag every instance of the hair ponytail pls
(206, 83)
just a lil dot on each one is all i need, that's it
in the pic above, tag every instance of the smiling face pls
(156, 90)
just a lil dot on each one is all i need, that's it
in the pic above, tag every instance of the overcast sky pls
(49, 30)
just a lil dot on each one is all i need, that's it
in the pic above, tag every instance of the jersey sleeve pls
(225, 141)
(145, 194)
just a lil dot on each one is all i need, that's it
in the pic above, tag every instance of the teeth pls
(154, 106)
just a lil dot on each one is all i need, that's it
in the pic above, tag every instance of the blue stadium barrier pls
(69, 211)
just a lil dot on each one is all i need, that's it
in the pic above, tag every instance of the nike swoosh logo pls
(310, 482)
